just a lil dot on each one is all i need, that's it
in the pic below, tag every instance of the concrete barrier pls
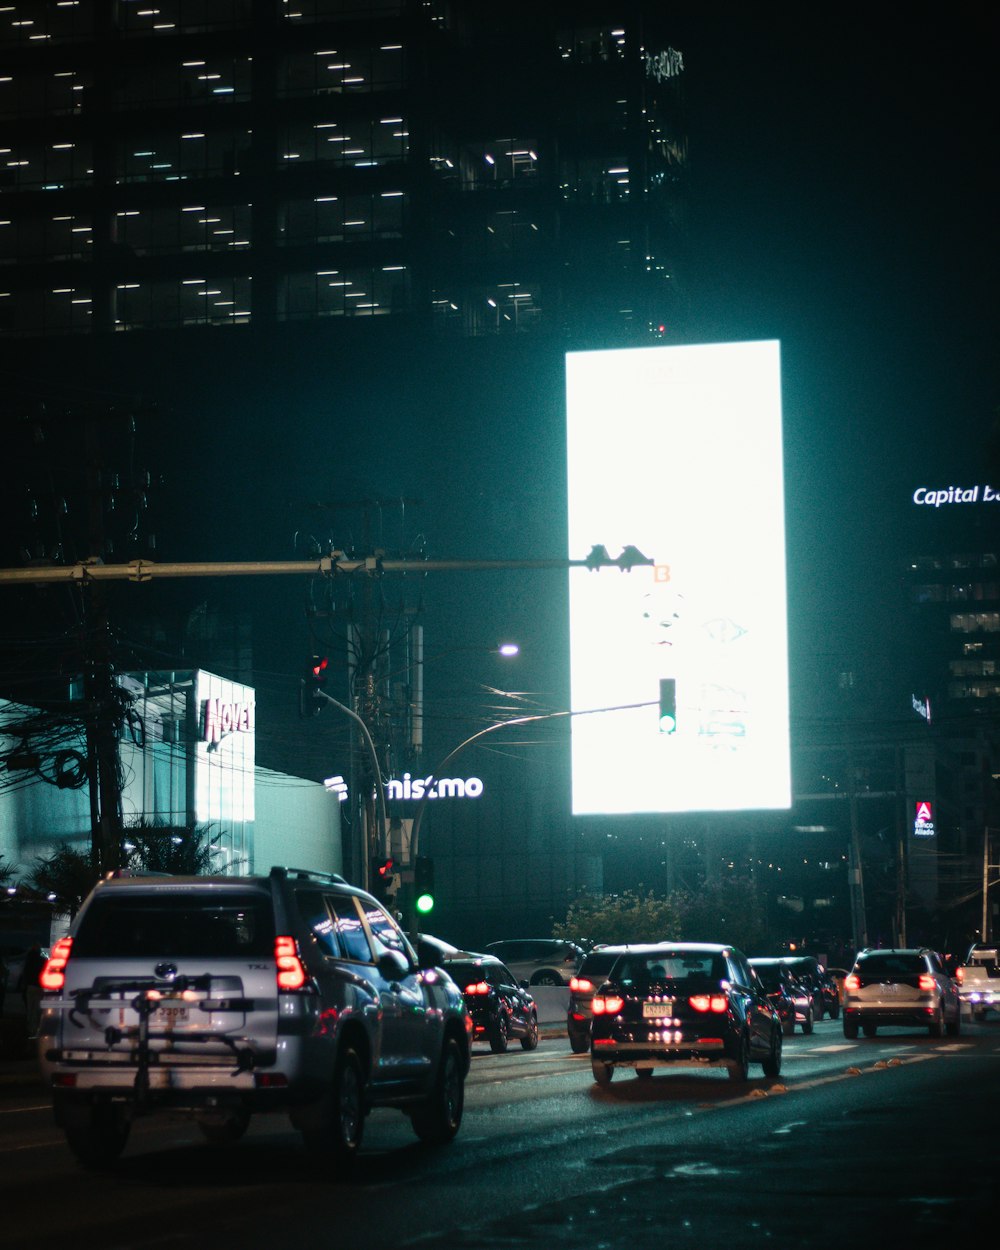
(552, 1002)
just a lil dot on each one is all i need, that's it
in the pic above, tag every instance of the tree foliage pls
(618, 918)
(727, 911)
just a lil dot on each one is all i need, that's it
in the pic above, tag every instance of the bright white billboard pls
(677, 451)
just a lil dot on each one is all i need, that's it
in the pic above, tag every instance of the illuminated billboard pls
(677, 451)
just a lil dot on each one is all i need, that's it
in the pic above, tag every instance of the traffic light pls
(668, 705)
(423, 885)
(313, 686)
(381, 876)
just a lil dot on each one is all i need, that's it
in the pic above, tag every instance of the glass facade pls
(430, 160)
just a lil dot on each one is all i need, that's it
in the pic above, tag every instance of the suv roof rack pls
(308, 874)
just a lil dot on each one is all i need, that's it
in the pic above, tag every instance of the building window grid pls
(342, 70)
(335, 219)
(189, 302)
(356, 143)
(344, 292)
(199, 227)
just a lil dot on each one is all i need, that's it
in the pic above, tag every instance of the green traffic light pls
(425, 903)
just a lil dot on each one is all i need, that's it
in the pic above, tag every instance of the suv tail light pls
(580, 985)
(959, 975)
(609, 1005)
(926, 982)
(709, 1002)
(477, 987)
(852, 981)
(290, 969)
(53, 975)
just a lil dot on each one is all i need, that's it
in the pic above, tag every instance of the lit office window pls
(342, 69)
(153, 17)
(192, 301)
(179, 156)
(345, 292)
(198, 227)
(334, 219)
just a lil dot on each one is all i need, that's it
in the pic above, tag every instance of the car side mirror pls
(392, 966)
(525, 985)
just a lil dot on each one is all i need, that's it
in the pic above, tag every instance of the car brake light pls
(960, 975)
(478, 987)
(709, 1002)
(580, 985)
(926, 982)
(291, 972)
(53, 975)
(852, 981)
(609, 1005)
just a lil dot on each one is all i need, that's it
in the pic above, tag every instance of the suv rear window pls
(177, 925)
(890, 966)
(598, 965)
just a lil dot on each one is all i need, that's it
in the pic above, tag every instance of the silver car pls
(218, 998)
(539, 961)
(900, 987)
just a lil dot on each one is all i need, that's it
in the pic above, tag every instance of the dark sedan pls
(501, 1007)
(684, 1003)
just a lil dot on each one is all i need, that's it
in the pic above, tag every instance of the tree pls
(731, 911)
(66, 877)
(619, 918)
(180, 850)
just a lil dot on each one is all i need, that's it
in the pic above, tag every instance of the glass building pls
(485, 169)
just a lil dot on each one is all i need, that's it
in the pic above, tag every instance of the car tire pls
(579, 1043)
(603, 1072)
(954, 1027)
(807, 1023)
(833, 1010)
(345, 1122)
(438, 1119)
(499, 1034)
(869, 1030)
(772, 1064)
(644, 1074)
(530, 1039)
(98, 1138)
(546, 977)
(850, 1029)
(788, 1027)
(739, 1070)
(936, 1026)
(227, 1131)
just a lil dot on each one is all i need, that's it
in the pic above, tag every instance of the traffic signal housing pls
(668, 705)
(423, 885)
(382, 876)
(313, 686)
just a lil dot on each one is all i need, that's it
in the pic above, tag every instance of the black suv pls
(222, 997)
(500, 1006)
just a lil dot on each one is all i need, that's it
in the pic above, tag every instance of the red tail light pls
(926, 982)
(580, 985)
(53, 975)
(709, 1002)
(291, 971)
(959, 975)
(852, 981)
(478, 987)
(610, 1005)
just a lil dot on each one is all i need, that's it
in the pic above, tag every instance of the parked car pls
(837, 976)
(808, 969)
(789, 998)
(500, 1006)
(900, 987)
(683, 1003)
(539, 961)
(223, 997)
(582, 986)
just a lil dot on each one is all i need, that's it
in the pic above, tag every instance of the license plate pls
(656, 1011)
(168, 1015)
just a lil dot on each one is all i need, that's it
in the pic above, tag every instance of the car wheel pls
(833, 1010)
(603, 1072)
(869, 1030)
(772, 1064)
(499, 1034)
(579, 1043)
(644, 1074)
(437, 1121)
(530, 1039)
(936, 1026)
(546, 977)
(807, 1023)
(99, 1137)
(225, 1131)
(954, 1028)
(740, 1068)
(850, 1028)
(788, 1027)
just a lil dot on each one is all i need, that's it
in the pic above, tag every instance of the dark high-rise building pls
(485, 169)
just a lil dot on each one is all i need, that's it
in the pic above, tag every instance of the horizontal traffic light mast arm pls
(145, 570)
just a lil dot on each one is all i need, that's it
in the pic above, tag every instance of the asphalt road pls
(880, 1142)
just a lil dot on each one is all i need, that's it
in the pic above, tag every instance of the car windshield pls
(465, 973)
(597, 965)
(175, 925)
(675, 967)
(770, 975)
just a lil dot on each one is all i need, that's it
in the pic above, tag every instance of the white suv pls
(222, 997)
(908, 987)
